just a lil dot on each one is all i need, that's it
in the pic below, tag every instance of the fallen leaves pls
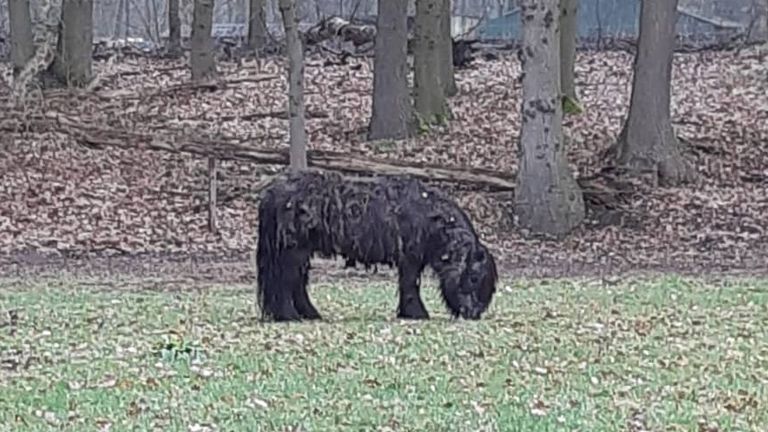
(58, 200)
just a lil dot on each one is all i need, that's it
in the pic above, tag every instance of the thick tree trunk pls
(202, 61)
(569, 10)
(174, 28)
(429, 98)
(391, 117)
(22, 48)
(647, 144)
(548, 199)
(296, 120)
(446, 50)
(257, 24)
(72, 64)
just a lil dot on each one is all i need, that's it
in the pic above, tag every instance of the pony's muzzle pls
(469, 308)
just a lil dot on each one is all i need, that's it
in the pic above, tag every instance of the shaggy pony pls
(392, 220)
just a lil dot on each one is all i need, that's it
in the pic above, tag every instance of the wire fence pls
(705, 21)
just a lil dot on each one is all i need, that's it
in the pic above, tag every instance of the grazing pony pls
(392, 220)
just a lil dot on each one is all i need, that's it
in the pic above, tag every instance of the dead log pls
(364, 34)
(338, 28)
(599, 190)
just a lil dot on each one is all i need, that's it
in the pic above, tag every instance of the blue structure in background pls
(609, 18)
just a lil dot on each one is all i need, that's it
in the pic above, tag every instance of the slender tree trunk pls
(127, 14)
(119, 19)
(296, 116)
(72, 64)
(202, 61)
(391, 117)
(22, 47)
(446, 50)
(547, 199)
(568, 33)
(647, 144)
(257, 24)
(429, 99)
(174, 28)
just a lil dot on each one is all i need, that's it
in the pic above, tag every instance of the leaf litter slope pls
(665, 354)
(58, 199)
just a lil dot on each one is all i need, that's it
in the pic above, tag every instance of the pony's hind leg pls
(410, 305)
(301, 301)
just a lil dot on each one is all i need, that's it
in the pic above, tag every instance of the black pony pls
(393, 220)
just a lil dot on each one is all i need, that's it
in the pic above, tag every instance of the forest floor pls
(64, 206)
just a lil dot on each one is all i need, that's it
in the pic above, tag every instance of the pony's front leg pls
(410, 305)
(301, 301)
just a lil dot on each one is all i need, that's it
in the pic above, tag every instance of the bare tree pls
(174, 28)
(569, 10)
(647, 143)
(429, 97)
(257, 24)
(202, 60)
(72, 64)
(22, 48)
(547, 198)
(446, 50)
(296, 115)
(391, 116)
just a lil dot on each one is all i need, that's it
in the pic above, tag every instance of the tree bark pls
(446, 50)
(569, 10)
(296, 120)
(202, 61)
(257, 24)
(72, 64)
(174, 28)
(548, 199)
(429, 99)
(22, 47)
(391, 112)
(647, 144)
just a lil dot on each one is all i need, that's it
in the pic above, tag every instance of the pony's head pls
(469, 292)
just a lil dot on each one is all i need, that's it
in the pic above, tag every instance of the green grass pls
(665, 354)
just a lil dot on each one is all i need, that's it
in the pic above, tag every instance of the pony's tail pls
(267, 255)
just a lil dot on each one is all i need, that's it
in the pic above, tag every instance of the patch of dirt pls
(68, 208)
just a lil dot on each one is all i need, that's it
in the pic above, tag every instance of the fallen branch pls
(596, 190)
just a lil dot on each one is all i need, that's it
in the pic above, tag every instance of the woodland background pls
(65, 204)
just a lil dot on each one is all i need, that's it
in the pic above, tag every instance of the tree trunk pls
(569, 10)
(22, 48)
(119, 19)
(257, 24)
(202, 61)
(446, 50)
(391, 112)
(429, 98)
(296, 121)
(72, 64)
(647, 144)
(174, 28)
(548, 199)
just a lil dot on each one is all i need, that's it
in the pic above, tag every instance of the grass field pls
(664, 354)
